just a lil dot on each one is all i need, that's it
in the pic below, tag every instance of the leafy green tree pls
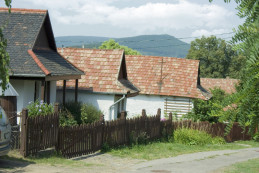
(217, 59)
(4, 56)
(112, 44)
(247, 40)
(203, 108)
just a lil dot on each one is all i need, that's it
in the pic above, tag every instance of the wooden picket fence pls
(38, 133)
(41, 132)
(216, 129)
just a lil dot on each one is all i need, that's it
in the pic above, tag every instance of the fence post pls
(123, 114)
(23, 140)
(103, 129)
(144, 113)
(56, 108)
(159, 112)
(123, 117)
(170, 116)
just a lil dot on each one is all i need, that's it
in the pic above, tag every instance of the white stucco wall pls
(25, 89)
(148, 102)
(100, 101)
(53, 90)
(151, 103)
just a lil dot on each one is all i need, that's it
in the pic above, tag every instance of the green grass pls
(49, 158)
(250, 166)
(158, 150)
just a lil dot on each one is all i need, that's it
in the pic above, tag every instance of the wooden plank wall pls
(177, 105)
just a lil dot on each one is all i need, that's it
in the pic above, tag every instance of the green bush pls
(256, 137)
(202, 108)
(39, 108)
(82, 113)
(89, 113)
(66, 118)
(195, 137)
(105, 147)
(141, 138)
(75, 109)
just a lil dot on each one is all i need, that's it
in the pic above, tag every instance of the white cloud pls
(155, 15)
(140, 19)
(201, 32)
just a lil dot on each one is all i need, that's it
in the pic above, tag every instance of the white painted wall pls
(100, 101)
(148, 102)
(53, 89)
(25, 89)
(151, 103)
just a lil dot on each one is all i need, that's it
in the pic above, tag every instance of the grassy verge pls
(158, 150)
(250, 166)
(49, 158)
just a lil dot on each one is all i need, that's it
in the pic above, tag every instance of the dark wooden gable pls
(123, 69)
(45, 38)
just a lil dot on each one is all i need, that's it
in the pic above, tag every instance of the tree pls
(112, 44)
(247, 40)
(4, 56)
(217, 59)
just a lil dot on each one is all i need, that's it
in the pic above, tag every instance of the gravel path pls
(201, 162)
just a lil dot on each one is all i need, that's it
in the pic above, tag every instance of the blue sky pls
(124, 18)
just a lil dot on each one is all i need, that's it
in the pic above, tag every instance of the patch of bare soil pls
(96, 163)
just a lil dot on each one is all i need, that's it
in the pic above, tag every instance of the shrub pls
(105, 147)
(82, 113)
(75, 109)
(66, 118)
(39, 108)
(89, 113)
(141, 138)
(195, 137)
(202, 108)
(256, 137)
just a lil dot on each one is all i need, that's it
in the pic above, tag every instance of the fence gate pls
(38, 133)
(80, 140)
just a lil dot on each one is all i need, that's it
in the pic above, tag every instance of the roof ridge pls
(23, 10)
(89, 49)
(151, 56)
(36, 59)
(219, 78)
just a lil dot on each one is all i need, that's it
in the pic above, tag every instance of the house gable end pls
(123, 69)
(45, 38)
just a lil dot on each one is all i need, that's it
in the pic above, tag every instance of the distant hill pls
(156, 45)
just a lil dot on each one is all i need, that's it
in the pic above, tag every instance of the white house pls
(164, 82)
(35, 64)
(104, 84)
(113, 82)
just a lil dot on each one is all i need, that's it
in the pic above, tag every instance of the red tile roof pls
(166, 76)
(101, 69)
(22, 10)
(228, 85)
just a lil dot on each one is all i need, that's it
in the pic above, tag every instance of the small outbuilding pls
(8, 101)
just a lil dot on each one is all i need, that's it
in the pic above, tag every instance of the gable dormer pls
(45, 38)
(123, 68)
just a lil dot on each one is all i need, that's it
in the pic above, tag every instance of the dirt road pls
(212, 161)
